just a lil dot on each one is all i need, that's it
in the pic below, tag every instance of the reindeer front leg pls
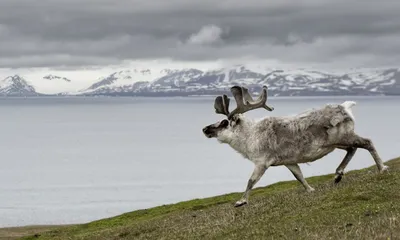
(259, 170)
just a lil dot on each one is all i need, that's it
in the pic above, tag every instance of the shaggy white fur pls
(291, 140)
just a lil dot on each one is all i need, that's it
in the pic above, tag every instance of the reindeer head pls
(244, 103)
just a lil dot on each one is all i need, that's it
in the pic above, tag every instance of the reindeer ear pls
(235, 120)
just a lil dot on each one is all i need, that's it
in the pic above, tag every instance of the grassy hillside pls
(12, 233)
(365, 205)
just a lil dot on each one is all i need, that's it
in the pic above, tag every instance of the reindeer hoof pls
(240, 203)
(310, 190)
(338, 178)
(384, 169)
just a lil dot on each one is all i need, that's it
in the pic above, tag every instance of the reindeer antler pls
(221, 105)
(244, 102)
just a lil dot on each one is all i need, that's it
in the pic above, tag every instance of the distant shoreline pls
(157, 95)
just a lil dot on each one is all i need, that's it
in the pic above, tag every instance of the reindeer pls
(287, 140)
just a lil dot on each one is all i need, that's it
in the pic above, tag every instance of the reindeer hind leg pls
(340, 169)
(355, 141)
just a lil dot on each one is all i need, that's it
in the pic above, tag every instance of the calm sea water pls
(73, 160)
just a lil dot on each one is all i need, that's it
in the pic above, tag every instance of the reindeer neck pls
(238, 137)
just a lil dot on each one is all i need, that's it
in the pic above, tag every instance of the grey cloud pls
(88, 32)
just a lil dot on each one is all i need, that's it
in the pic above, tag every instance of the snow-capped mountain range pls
(15, 85)
(190, 81)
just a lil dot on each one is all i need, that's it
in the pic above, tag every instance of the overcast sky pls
(76, 33)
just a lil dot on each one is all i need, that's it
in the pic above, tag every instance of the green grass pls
(364, 205)
(18, 232)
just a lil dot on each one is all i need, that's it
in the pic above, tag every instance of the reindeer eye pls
(224, 123)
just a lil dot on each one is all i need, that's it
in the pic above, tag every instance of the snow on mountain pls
(258, 68)
(126, 79)
(297, 80)
(48, 84)
(281, 82)
(190, 81)
(222, 79)
(16, 86)
(52, 77)
(176, 78)
(53, 84)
